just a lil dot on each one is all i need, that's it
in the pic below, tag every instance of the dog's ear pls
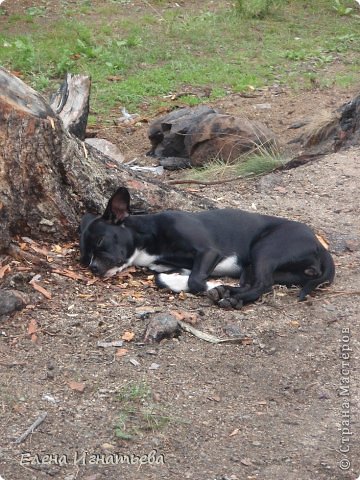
(118, 207)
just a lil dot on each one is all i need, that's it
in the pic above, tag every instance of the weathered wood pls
(49, 178)
(71, 103)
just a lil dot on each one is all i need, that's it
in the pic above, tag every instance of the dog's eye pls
(100, 242)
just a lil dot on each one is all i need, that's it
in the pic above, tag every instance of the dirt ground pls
(275, 407)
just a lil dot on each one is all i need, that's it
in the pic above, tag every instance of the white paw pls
(174, 281)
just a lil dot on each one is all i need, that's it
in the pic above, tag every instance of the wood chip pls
(134, 362)
(4, 270)
(121, 352)
(77, 386)
(128, 336)
(40, 289)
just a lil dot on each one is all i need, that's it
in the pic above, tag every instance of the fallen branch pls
(15, 252)
(215, 182)
(210, 338)
(31, 429)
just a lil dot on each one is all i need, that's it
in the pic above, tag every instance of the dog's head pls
(105, 242)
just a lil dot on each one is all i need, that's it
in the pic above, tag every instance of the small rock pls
(352, 245)
(49, 398)
(262, 106)
(161, 326)
(12, 300)
(154, 366)
(108, 148)
(107, 446)
(115, 343)
(232, 330)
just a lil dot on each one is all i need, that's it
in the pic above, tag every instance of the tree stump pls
(71, 103)
(49, 178)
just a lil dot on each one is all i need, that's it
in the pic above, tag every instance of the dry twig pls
(31, 429)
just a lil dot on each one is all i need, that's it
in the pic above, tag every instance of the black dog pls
(260, 250)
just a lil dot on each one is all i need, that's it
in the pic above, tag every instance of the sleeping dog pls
(185, 249)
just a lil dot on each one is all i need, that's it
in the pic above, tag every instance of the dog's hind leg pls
(268, 255)
(234, 297)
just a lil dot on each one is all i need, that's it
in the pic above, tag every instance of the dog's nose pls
(94, 269)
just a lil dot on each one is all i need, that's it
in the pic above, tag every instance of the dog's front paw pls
(221, 295)
(217, 293)
(231, 302)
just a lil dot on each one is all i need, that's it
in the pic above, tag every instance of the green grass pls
(160, 51)
(138, 413)
(257, 163)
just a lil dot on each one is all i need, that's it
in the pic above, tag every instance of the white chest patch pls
(141, 258)
(227, 267)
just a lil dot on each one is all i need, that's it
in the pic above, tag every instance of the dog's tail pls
(327, 274)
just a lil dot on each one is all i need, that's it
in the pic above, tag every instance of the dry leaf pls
(40, 250)
(77, 386)
(34, 338)
(126, 272)
(184, 316)
(57, 249)
(40, 289)
(32, 327)
(114, 78)
(128, 336)
(69, 274)
(4, 269)
(121, 352)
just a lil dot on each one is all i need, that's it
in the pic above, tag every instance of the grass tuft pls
(138, 414)
(254, 164)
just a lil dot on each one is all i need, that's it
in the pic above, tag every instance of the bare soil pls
(270, 408)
